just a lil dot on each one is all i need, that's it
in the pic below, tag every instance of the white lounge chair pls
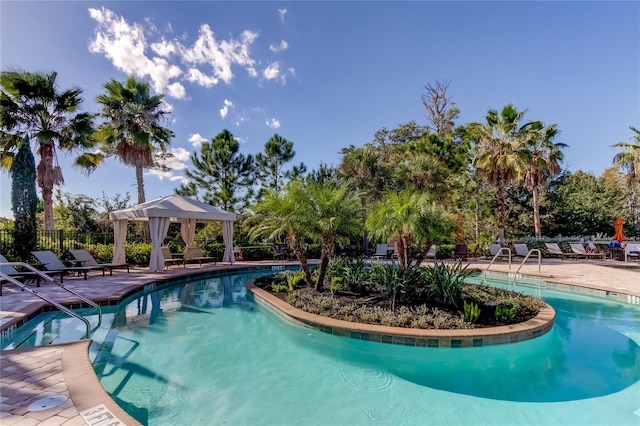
(631, 251)
(579, 250)
(84, 258)
(553, 249)
(431, 253)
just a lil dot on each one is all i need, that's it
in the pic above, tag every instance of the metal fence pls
(58, 241)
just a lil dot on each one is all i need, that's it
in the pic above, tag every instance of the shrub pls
(279, 288)
(446, 282)
(296, 280)
(505, 314)
(471, 312)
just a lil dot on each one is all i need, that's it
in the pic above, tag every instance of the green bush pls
(505, 314)
(471, 312)
(296, 280)
(446, 282)
(279, 288)
(138, 253)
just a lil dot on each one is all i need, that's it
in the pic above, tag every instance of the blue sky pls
(329, 74)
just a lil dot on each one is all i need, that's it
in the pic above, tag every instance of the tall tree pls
(24, 201)
(222, 172)
(133, 130)
(31, 104)
(501, 154)
(270, 164)
(441, 110)
(628, 159)
(543, 164)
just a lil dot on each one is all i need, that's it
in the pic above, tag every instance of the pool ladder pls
(516, 275)
(61, 307)
(497, 255)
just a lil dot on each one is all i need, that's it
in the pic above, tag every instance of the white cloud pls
(175, 163)
(196, 140)
(279, 48)
(282, 12)
(273, 123)
(225, 108)
(271, 71)
(153, 52)
(125, 44)
(207, 50)
(163, 47)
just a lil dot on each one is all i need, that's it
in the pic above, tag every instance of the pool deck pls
(65, 371)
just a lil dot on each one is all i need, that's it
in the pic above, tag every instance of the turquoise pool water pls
(204, 353)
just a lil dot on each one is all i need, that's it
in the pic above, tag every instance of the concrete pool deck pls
(64, 373)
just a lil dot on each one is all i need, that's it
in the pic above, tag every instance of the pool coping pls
(541, 324)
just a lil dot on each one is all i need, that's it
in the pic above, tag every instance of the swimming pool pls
(204, 353)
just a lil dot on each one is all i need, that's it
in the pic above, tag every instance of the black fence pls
(58, 241)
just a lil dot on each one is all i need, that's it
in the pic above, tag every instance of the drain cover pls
(46, 403)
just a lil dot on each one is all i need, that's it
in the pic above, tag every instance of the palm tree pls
(629, 157)
(412, 218)
(308, 210)
(501, 154)
(277, 215)
(31, 105)
(543, 164)
(133, 131)
(331, 212)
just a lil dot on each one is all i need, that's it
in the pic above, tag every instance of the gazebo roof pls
(174, 207)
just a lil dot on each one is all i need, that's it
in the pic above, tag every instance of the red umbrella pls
(617, 224)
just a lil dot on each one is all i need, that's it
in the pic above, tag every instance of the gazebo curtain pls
(119, 238)
(158, 227)
(188, 230)
(227, 236)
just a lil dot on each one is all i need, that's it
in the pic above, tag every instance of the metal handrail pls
(525, 259)
(48, 278)
(484, 277)
(46, 299)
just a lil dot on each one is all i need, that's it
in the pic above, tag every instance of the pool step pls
(30, 334)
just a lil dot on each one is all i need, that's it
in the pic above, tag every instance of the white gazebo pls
(172, 208)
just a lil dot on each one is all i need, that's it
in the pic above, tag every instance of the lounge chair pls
(194, 254)
(631, 251)
(381, 251)
(51, 263)
(579, 250)
(171, 258)
(281, 252)
(461, 251)
(522, 250)
(431, 253)
(553, 249)
(12, 272)
(84, 258)
(494, 249)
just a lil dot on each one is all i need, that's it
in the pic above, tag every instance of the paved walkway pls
(33, 381)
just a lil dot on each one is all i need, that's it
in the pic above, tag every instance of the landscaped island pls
(429, 297)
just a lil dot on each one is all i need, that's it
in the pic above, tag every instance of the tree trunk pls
(536, 214)
(477, 215)
(501, 209)
(404, 249)
(46, 182)
(140, 182)
(325, 254)
(301, 254)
